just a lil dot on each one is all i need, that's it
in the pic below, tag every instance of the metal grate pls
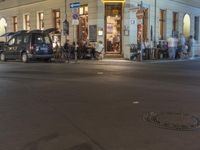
(173, 121)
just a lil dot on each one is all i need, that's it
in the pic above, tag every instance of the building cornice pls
(193, 3)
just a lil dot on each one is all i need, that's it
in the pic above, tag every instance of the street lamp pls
(155, 24)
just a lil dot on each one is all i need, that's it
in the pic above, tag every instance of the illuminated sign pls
(113, 1)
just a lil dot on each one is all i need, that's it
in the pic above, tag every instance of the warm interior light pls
(81, 10)
(100, 31)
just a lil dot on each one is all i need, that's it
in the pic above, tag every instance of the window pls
(42, 38)
(11, 41)
(145, 25)
(196, 28)
(41, 20)
(27, 22)
(175, 22)
(26, 39)
(186, 25)
(56, 19)
(162, 24)
(83, 23)
(15, 24)
(18, 39)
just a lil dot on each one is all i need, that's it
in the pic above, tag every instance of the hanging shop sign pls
(140, 14)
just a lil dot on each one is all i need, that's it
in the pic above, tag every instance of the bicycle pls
(61, 54)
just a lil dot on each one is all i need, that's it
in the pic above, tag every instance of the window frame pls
(27, 25)
(57, 19)
(15, 23)
(40, 20)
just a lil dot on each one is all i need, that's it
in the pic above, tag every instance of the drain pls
(173, 121)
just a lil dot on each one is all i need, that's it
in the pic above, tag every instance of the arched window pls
(3, 25)
(186, 25)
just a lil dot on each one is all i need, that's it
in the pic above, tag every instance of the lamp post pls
(155, 24)
(65, 23)
(140, 16)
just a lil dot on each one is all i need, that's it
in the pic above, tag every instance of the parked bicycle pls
(134, 52)
(61, 54)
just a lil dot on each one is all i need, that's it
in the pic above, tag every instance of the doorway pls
(113, 26)
(186, 25)
(3, 27)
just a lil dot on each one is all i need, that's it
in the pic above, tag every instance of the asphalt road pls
(60, 106)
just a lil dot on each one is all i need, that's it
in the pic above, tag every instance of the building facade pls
(117, 23)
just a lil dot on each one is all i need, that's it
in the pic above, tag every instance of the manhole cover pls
(173, 121)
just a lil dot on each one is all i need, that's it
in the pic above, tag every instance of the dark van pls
(27, 45)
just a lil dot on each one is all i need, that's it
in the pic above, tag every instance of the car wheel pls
(24, 58)
(3, 57)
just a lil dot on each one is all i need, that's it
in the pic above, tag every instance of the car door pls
(10, 48)
(19, 46)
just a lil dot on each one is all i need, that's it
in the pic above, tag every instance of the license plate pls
(43, 49)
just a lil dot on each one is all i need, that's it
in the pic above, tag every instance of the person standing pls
(99, 50)
(182, 42)
(172, 45)
(192, 46)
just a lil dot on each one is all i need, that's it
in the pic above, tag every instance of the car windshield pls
(42, 38)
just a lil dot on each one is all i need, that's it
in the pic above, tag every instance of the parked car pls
(26, 45)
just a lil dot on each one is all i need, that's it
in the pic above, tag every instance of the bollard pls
(75, 53)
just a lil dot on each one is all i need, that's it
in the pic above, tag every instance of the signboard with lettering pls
(75, 5)
(93, 33)
(75, 16)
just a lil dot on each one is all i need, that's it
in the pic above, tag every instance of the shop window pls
(15, 27)
(162, 24)
(196, 28)
(41, 20)
(56, 19)
(83, 23)
(27, 22)
(175, 21)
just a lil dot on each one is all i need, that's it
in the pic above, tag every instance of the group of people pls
(172, 48)
(181, 45)
(113, 43)
(85, 49)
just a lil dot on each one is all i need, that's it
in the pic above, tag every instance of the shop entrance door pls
(113, 23)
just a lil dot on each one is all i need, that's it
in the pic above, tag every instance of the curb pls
(123, 61)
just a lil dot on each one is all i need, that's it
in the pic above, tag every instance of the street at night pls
(99, 105)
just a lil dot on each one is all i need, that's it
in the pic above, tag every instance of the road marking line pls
(100, 73)
(136, 102)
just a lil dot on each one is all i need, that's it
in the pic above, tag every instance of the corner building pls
(117, 23)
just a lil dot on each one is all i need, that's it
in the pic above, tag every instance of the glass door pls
(113, 17)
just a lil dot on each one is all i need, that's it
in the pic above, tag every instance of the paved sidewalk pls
(123, 61)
